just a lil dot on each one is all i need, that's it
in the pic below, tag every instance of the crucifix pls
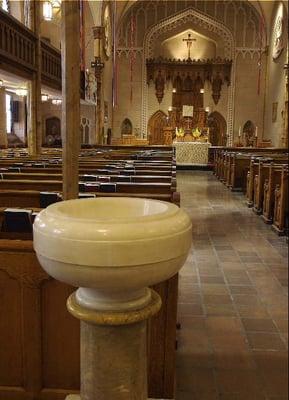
(189, 42)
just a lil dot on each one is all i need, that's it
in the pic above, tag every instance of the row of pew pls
(41, 356)
(262, 175)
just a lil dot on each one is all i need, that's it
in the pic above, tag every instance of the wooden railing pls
(18, 46)
(51, 64)
(17, 43)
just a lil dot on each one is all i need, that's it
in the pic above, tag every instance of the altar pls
(192, 153)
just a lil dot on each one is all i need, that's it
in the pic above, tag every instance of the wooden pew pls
(40, 358)
(280, 219)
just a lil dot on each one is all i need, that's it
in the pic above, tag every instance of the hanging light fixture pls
(21, 92)
(44, 97)
(1, 82)
(202, 91)
(47, 10)
(56, 102)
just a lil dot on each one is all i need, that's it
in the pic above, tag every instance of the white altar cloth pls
(192, 153)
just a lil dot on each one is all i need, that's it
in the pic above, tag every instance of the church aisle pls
(232, 299)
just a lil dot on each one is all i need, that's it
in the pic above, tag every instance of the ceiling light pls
(44, 97)
(56, 102)
(21, 92)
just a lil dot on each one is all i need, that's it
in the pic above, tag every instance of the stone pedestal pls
(114, 351)
(113, 249)
(3, 133)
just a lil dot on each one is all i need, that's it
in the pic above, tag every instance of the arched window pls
(85, 130)
(5, 5)
(126, 127)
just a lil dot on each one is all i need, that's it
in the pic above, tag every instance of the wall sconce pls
(207, 109)
(56, 102)
(174, 90)
(21, 92)
(44, 97)
(170, 109)
(1, 83)
(202, 91)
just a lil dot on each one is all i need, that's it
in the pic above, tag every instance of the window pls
(5, 5)
(8, 114)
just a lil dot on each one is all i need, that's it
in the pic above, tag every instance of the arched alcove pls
(126, 127)
(156, 125)
(248, 133)
(218, 129)
(52, 131)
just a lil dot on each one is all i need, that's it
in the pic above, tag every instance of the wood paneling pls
(39, 351)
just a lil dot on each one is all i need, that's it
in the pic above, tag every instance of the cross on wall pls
(189, 40)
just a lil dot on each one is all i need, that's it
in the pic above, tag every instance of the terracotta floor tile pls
(246, 299)
(245, 290)
(220, 310)
(232, 299)
(217, 299)
(265, 341)
(214, 289)
(259, 325)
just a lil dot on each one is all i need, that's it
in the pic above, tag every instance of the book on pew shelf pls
(124, 178)
(17, 220)
(33, 216)
(86, 195)
(47, 198)
(15, 169)
(81, 186)
(107, 187)
(91, 187)
(88, 178)
(103, 178)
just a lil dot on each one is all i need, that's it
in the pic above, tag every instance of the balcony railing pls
(18, 49)
(51, 65)
(17, 43)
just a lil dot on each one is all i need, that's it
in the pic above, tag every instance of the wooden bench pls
(40, 358)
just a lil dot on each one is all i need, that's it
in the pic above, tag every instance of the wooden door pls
(156, 127)
(218, 129)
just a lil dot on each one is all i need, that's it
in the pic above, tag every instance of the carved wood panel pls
(155, 128)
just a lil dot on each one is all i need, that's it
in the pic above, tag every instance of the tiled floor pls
(233, 299)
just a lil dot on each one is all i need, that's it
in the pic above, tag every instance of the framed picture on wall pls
(274, 111)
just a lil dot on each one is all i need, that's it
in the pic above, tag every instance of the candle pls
(239, 131)
(170, 109)
(207, 109)
(256, 132)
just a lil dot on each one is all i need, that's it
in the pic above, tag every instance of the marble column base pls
(113, 350)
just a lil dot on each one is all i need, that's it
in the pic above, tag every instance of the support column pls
(285, 116)
(3, 133)
(98, 34)
(113, 350)
(70, 123)
(34, 120)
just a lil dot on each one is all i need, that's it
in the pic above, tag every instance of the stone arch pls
(52, 131)
(248, 133)
(203, 21)
(126, 127)
(218, 129)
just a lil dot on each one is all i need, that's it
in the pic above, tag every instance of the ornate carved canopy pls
(189, 75)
